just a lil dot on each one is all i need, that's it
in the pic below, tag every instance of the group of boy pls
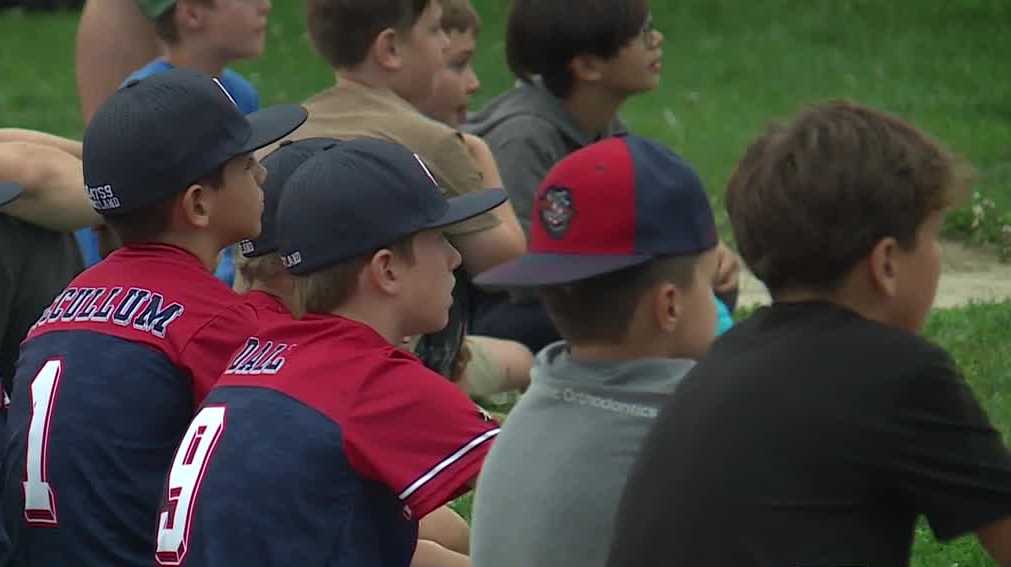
(777, 448)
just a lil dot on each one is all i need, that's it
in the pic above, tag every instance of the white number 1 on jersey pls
(184, 479)
(40, 500)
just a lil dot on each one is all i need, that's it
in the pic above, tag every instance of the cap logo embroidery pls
(246, 247)
(429, 174)
(557, 211)
(292, 260)
(224, 90)
(102, 198)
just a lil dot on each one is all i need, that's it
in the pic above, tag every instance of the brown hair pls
(812, 197)
(544, 36)
(343, 31)
(600, 309)
(259, 269)
(165, 24)
(460, 16)
(327, 289)
(149, 224)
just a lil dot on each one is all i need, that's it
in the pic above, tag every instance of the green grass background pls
(730, 66)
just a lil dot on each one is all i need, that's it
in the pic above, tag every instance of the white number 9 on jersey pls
(184, 480)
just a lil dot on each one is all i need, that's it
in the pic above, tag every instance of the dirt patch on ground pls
(970, 274)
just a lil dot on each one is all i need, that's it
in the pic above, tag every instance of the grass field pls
(730, 66)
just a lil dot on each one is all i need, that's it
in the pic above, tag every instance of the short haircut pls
(149, 224)
(260, 269)
(342, 31)
(323, 291)
(165, 25)
(613, 297)
(812, 197)
(460, 16)
(544, 36)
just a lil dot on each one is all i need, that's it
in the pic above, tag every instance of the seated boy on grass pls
(371, 440)
(578, 62)
(622, 252)
(817, 431)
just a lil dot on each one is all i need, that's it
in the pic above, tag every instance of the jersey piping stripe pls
(447, 462)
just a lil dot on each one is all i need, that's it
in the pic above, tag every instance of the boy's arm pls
(446, 528)
(996, 539)
(431, 554)
(486, 248)
(53, 180)
(72, 147)
(113, 40)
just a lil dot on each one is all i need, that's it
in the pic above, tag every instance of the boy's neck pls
(199, 245)
(593, 109)
(381, 317)
(202, 60)
(618, 352)
(367, 77)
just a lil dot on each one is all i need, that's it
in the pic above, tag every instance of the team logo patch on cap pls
(292, 260)
(102, 198)
(557, 211)
(246, 247)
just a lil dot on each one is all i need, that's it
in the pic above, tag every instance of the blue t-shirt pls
(246, 98)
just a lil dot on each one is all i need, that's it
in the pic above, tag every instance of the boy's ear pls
(195, 206)
(667, 308)
(189, 15)
(384, 272)
(386, 50)
(882, 267)
(586, 68)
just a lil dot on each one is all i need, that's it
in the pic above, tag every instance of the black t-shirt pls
(35, 265)
(810, 436)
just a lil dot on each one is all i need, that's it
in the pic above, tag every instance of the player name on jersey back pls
(139, 308)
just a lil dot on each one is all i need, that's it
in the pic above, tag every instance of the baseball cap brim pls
(273, 123)
(553, 269)
(469, 206)
(9, 191)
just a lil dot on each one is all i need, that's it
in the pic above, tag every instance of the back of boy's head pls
(543, 37)
(260, 262)
(609, 222)
(162, 14)
(154, 138)
(812, 197)
(343, 31)
(348, 202)
(460, 16)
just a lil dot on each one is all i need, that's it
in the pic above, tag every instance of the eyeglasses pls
(648, 33)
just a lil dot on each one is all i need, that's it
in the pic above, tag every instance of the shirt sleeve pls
(412, 430)
(207, 353)
(453, 167)
(942, 450)
(525, 149)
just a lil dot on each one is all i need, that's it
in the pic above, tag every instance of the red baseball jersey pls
(105, 388)
(322, 444)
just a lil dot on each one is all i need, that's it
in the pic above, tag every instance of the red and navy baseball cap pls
(360, 196)
(155, 137)
(610, 206)
(280, 164)
(9, 191)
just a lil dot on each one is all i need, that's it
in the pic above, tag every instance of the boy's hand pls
(728, 270)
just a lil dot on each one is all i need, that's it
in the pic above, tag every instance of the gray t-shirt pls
(550, 486)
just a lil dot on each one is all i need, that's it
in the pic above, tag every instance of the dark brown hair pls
(327, 289)
(165, 25)
(812, 197)
(343, 31)
(600, 309)
(544, 36)
(460, 16)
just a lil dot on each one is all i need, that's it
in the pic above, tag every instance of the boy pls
(575, 74)
(623, 251)
(372, 440)
(818, 430)
(386, 54)
(110, 373)
(457, 81)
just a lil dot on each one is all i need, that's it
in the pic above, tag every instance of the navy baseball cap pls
(609, 206)
(359, 196)
(9, 191)
(155, 137)
(280, 164)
